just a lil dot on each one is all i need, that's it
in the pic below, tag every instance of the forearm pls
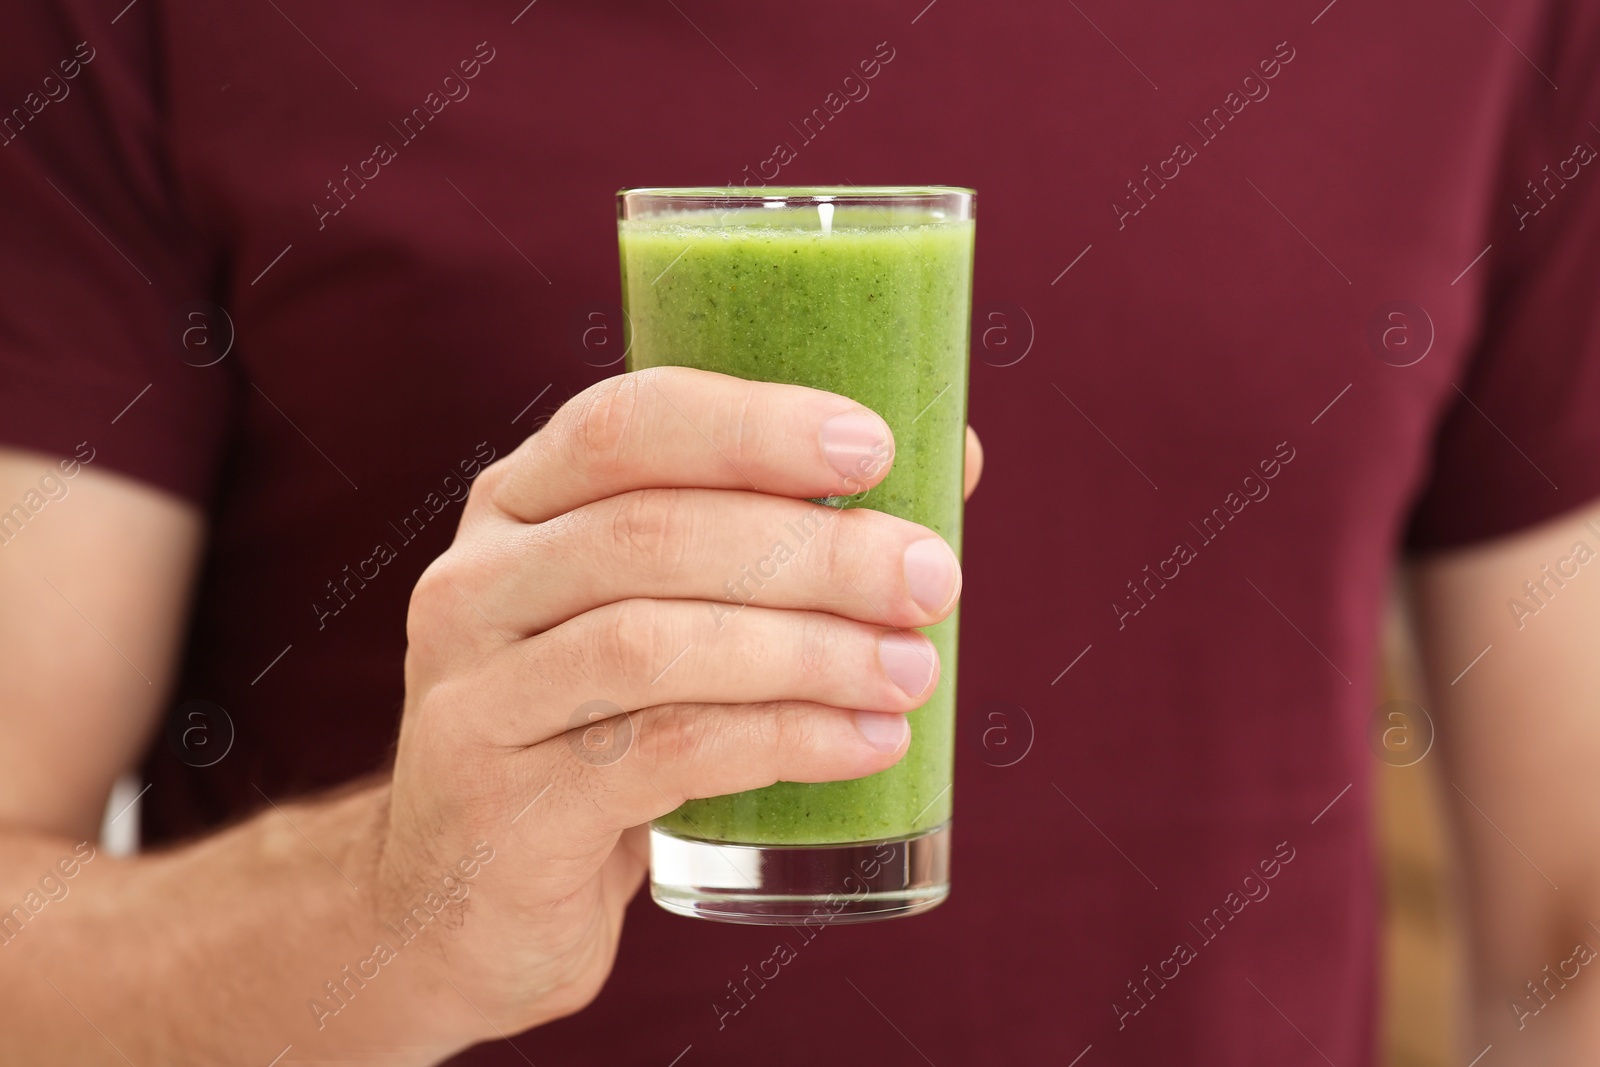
(1530, 889)
(1538, 1001)
(227, 950)
(1514, 699)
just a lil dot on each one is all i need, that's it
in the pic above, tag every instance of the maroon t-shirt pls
(1266, 293)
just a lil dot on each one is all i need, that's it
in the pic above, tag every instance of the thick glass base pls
(798, 885)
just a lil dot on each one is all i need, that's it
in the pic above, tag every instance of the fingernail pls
(856, 444)
(932, 574)
(884, 731)
(909, 660)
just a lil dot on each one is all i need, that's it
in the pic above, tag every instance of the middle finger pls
(736, 547)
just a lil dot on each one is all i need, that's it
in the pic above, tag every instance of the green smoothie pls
(869, 302)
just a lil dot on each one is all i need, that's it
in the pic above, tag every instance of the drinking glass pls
(865, 292)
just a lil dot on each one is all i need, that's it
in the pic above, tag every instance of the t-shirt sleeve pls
(104, 328)
(1520, 443)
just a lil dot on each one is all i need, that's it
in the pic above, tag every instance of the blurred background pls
(1423, 954)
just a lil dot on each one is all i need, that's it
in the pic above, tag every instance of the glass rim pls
(800, 195)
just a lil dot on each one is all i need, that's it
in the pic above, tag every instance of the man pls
(1266, 297)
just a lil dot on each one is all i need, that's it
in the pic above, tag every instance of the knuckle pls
(489, 480)
(447, 606)
(600, 733)
(816, 650)
(739, 423)
(504, 485)
(433, 605)
(837, 544)
(631, 641)
(674, 736)
(747, 423)
(653, 529)
(598, 427)
(792, 729)
(814, 555)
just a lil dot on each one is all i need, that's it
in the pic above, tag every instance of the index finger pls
(678, 427)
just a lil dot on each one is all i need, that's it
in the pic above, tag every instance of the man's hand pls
(588, 566)
(592, 565)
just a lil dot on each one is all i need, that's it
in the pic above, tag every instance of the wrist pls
(417, 912)
(392, 980)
